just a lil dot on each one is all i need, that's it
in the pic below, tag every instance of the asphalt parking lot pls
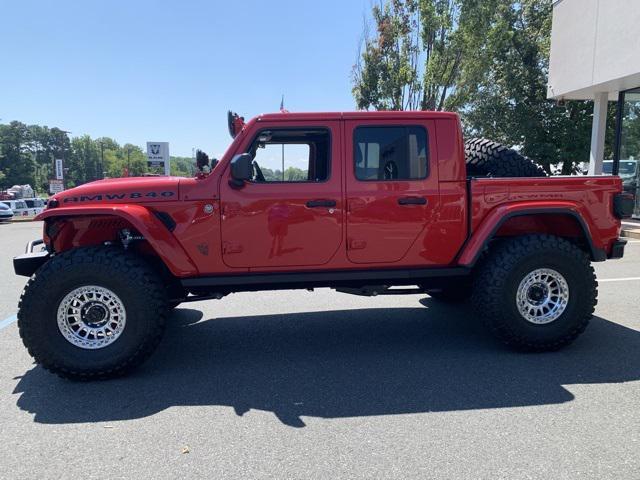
(325, 385)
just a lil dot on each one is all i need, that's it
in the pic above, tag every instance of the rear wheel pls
(93, 312)
(536, 292)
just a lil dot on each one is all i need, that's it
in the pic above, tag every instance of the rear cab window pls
(391, 153)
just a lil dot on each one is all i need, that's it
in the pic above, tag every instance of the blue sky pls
(169, 71)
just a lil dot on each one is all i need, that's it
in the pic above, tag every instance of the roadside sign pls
(55, 186)
(59, 169)
(158, 155)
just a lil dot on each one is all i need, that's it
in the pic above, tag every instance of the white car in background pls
(6, 214)
(19, 207)
(36, 205)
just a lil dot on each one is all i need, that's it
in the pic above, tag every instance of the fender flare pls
(479, 239)
(144, 221)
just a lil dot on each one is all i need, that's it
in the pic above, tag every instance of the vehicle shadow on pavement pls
(332, 364)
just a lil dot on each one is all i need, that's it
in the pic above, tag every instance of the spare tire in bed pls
(486, 158)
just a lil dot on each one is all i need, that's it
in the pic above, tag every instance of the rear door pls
(391, 185)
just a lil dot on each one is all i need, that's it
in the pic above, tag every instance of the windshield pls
(627, 167)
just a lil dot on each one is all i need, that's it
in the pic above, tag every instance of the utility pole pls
(283, 162)
(128, 161)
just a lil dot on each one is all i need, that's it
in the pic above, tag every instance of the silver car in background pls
(6, 214)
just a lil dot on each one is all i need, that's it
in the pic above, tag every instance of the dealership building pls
(595, 55)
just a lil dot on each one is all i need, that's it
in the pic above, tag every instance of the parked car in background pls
(19, 207)
(6, 213)
(36, 205)
(629, 173)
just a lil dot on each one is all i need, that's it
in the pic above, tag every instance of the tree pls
(82, 165)
(182, 166)
(487, 60)
(16, 161)
(419, 53)
(27, 155)
(136, 160)
(505, 94)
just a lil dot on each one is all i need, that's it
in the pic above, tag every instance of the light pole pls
(66, 132)
(101, 171)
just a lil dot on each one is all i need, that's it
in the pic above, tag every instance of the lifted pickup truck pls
(380, 200)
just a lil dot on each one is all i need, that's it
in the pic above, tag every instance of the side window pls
(292, 155)
(390, 153)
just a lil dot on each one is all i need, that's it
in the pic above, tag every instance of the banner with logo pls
(59, 169)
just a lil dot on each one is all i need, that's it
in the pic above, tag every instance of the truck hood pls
(122, 190)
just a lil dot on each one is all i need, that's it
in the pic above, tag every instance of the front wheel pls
(92, 313)
(536, 292)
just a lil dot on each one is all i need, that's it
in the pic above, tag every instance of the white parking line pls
(8, 321)
(627, 279)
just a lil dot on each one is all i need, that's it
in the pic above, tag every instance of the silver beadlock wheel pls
(91, 317)
(542, 296)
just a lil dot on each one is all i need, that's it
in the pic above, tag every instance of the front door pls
(392, 188)
(291, 212)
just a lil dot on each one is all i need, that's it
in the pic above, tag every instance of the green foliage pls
(487, 60)
(630, 144)
(419, 53)
(28, 153)
(183, 167)
(291, 174)
(16, 162)
(506, 100)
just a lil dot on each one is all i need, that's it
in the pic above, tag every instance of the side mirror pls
(241, 169)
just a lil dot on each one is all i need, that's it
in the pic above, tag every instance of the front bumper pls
(30, 261)
(617, 249)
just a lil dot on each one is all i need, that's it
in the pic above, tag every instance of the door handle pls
(412, 201)
(321, 203)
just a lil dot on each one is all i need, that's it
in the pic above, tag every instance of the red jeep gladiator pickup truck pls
(387, 199)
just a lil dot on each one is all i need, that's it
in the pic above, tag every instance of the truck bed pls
(573, 204)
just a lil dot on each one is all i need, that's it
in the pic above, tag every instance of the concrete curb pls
(631, 232)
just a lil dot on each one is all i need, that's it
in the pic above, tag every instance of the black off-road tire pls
(136, 284)
(498, 278)
(486, 158)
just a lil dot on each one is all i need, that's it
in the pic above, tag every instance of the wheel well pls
(564, 225)
(66, 233)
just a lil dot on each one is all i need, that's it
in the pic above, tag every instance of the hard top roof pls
(359, 115)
